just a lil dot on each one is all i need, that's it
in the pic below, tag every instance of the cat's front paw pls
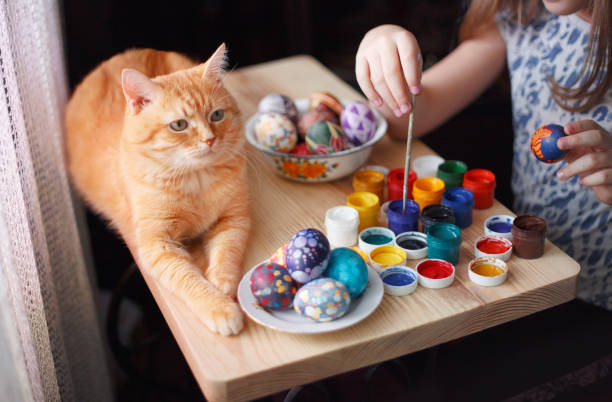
(225, 318)
(227, 283)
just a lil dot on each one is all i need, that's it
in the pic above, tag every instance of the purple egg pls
(307, 255)
(358, 122)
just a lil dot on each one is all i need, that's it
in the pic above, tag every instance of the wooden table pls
(260, 361)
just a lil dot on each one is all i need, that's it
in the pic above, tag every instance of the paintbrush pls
(408, 149)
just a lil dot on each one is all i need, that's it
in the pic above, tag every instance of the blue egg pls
(307, 255)
(322, 300)
(346, 266)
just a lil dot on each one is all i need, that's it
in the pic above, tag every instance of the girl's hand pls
(389, 63)
(589, 156)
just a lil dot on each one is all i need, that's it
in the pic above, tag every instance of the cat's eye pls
(217, 115)
(178, 125)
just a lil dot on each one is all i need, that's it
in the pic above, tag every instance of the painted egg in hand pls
(347, 266)
(280, 256)
(307, 255)
(327, 99)
(322, 300)
(277, 103)
(544, 143)
(326, 138)
(272, 286)
(275, 132)
(358, 122)
(319, 113)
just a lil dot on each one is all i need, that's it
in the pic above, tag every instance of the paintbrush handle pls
(408, 150)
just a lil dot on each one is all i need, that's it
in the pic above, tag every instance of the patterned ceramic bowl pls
(317, 168)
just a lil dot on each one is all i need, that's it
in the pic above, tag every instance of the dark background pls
(513, 358)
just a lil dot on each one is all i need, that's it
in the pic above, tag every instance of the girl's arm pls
(388, 62)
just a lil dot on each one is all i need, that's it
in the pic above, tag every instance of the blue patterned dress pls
(578, 222)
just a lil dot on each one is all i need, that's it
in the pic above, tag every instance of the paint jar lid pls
(369, 179)
(364, 201)
(399, 280)
(342, 217)
(367, 246)
(396, 177)
(451, 172)
(487, 277)
(427, 165)
(499, 225)
(435, 273)
(444, 235)
(479, 180)
(436, 213)
(413, 243)
(392, 255)
(484, 246)
(458, 198)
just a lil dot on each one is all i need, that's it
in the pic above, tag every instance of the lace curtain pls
(50, 339)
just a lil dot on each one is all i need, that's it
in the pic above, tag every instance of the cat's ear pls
(215, 66)
(138, 89)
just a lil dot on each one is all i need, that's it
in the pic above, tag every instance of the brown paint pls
(528, 235)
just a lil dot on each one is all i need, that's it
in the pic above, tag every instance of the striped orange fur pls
(178, 198)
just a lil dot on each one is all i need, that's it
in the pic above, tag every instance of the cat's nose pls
(210, 141)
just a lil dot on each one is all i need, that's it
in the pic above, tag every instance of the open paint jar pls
(481, 183)
(427, 191)
(399, 280)
(403, 222)
(529, 235)
(443, 242)
(461, 200)
(413, 243)
(486, 271)
(435, 273)
(499, 225)
(451, 172)
(436, 213)
(493, 247)
(367, 205)
(341, 224)
(373, 237)
(385, 256)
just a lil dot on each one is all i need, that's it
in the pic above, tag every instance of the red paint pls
(435, 269)
(481, 182)
(395, 183)
(492, 246)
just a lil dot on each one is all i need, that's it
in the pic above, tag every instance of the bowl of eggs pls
(317, 139)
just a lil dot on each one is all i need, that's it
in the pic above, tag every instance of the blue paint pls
(500, 227)
(399, 222)
(398, 279)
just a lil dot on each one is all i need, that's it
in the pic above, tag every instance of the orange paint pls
(487, 270)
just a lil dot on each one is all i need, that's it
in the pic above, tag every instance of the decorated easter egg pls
(301, 149)
(273, 286)
(280, 256)
(326, 138)
(322, 300)
(347, 266)
(277, 103)
(544, 143)
(320, 113)
(276, 132)
(307, 255)
(327, 99)
(358, 122)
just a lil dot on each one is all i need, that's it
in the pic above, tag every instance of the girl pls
(559, 53)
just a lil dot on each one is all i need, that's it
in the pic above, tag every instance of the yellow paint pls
(386, 259)
(487, 270)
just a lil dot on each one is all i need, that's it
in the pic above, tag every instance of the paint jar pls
(481, 182)
(528, 234)
(382, 214)
(399, 280)
(493, 247)
(413, 243)
(427, 165)
(451, 173)
(385, 256)
(367, 204)
(395, 183)
(461, 200)
(373, 237)
(403, 222)
(436, 213)
(435, 273)
(487, 271)
(499, 225)
(371, 181)
(427, 191)
(443, 241)
(341, 226)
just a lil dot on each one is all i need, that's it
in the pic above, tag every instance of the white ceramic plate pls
(290, 321)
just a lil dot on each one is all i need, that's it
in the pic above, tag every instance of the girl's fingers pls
(599, 178)
(395, 79)
(582, 125)
(362, 70)
(379, 81)
(588, 138)
(412, 62)
(586, 163)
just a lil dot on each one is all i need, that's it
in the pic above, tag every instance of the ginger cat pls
(163, 159)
